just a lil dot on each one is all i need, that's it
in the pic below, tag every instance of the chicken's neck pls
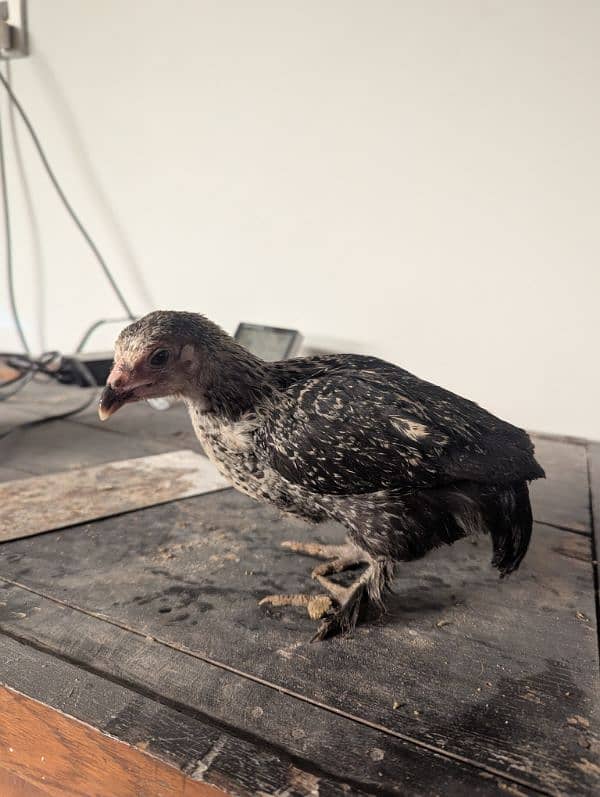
(229, 384)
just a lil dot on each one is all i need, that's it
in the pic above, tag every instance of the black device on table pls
(268, 343)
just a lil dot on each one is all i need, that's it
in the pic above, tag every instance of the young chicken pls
(404, 465)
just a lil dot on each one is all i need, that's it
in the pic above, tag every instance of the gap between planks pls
(306, 765)
(248, 676)
(579, 532)
(594, 500)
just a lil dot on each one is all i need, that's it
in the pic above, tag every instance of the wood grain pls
(562, 498)
(39, 504)
(487, 670)
(70, 759)
(162, 698)
(201, 751)
(13, 786)
(467, 686)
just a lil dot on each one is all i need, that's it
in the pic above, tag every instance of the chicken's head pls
(158, 355)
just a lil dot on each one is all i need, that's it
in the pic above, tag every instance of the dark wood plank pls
(71, 759)
(171, 426)
(326, 753)
(10, 474)
(562, 498)
(11, 417)
(40, 400)
(594, 471)
(202, 752)
(490, 671)
(60, 445)
(37, 399)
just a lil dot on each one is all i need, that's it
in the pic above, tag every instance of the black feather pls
(404, 465)
(360, 424)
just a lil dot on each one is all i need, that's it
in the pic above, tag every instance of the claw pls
(317, 606)
(285, 600)
(346, 600)
(341, 621)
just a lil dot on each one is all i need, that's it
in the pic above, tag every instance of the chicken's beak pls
(121, 386)
(110, 402)
(116, 391)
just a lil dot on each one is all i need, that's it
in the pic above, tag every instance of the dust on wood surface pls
(562, 498)
(501, 674)
(43, 503)
(203, 752)
(475, 667)
(164, 701)
(182, 709)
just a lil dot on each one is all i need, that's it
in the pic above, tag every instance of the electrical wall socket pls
(13, 39)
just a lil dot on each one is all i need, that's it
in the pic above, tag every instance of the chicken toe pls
(317, 606)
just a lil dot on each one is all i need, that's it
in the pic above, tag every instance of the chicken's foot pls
(339, 610)
(341, 557)
(343, 619)
(317, 606)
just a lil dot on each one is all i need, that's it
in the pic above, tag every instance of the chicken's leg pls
(341, 557)
(343, 618)
(370, 586)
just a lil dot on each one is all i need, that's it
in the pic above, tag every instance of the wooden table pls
(135, 660)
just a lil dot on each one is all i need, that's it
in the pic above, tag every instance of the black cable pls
(48, 365)
(22, 379)
(8, 244)
(57, 187)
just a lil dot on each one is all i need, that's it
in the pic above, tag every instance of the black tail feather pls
(507, 515)
(410, 524)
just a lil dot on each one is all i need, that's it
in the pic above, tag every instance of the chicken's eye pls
(159, 358)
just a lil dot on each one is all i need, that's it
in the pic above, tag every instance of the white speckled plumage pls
(403, 464)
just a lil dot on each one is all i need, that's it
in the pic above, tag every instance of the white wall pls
(419, 180)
